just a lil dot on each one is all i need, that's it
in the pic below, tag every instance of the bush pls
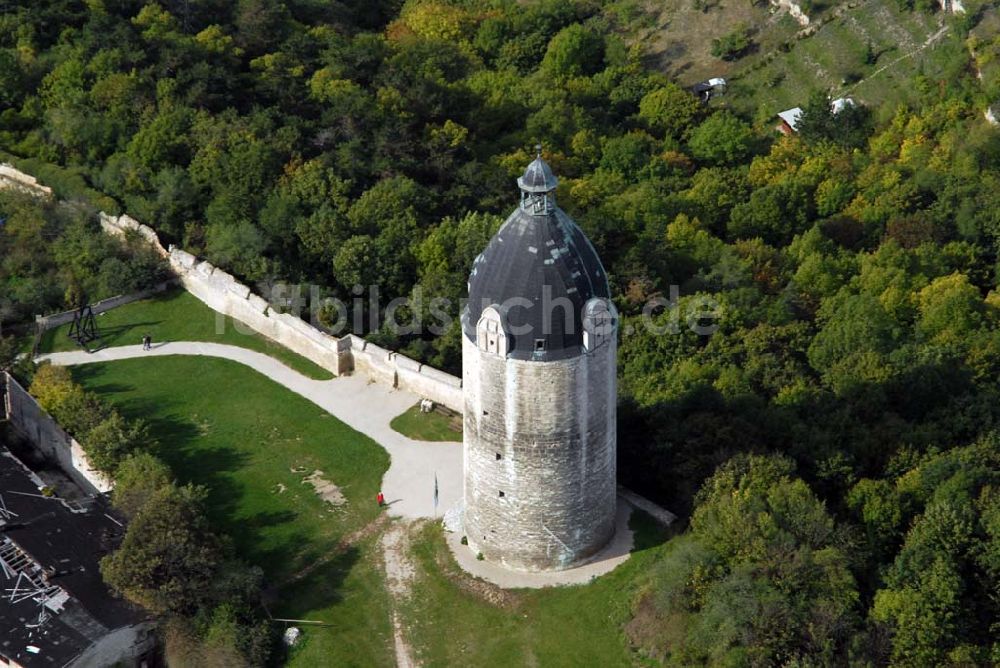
(669, 109)
(574, 51)
(103, 433)
(109, 441)
(138, 478)
(733, 45)
(722, 138)
(170, 556)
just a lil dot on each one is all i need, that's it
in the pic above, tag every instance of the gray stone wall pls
(32, 422)
(540, 457)
(47, 322)
(392, 368)
(17, 180)
(223, 293)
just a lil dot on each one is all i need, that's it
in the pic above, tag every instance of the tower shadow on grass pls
(321, 588)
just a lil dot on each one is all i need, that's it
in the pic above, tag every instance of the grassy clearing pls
(178, 316)
(780, 71)
(986, 42)
(251, 442)
(432, 426)
(833, 59)
(451, 622)
(680, 43)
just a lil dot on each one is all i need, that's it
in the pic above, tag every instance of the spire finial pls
(538, 150)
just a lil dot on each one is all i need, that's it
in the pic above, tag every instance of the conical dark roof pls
(540, 270)
(538, 177)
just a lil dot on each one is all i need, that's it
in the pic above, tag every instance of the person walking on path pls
(147, 342)
(381, 499)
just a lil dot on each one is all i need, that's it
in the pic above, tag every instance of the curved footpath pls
(408, 485)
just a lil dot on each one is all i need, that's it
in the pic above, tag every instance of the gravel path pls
(399, 574)
(367, 407)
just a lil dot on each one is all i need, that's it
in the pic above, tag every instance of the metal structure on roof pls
(54, 605)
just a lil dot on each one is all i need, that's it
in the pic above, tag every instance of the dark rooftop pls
(538, 177)
(542, 258)
(53, 602)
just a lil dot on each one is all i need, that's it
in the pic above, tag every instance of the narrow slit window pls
(502, 495)
(539, 345)
(499, 456)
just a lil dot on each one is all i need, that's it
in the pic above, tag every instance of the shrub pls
(138, 478)
(105, 435)
(720, 139)
(170, 556)
(733, 45)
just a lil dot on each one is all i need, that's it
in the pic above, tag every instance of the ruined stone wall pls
(47, 322)
(392, 368)
(221, 291)
(540, 447)
(33, 423)
(18, 180)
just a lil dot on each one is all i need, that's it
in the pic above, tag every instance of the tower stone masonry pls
(539, 350)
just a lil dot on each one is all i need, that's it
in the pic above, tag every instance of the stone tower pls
(539, 351)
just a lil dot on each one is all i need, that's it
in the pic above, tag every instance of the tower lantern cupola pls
(538, 185)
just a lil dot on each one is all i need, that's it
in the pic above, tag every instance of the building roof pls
(791, 116)
(841, 103)
(53, 602)
(538, 177)
(540, 270)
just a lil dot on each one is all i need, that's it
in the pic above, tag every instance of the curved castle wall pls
(539, 457)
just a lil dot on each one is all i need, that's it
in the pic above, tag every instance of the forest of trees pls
(834, 442)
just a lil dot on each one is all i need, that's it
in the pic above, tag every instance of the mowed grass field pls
(432, 426)
(251, 442)
(176, 315)
(454, 620)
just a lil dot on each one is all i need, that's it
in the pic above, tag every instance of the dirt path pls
(347, 542)
(928, 42)
(399, 574)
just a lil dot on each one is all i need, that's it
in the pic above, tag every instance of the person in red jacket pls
(381, 499)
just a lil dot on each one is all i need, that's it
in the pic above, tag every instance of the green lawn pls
(222, 425)
(431, 426)
(176, 315)
(452, 625)
(251, 443)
